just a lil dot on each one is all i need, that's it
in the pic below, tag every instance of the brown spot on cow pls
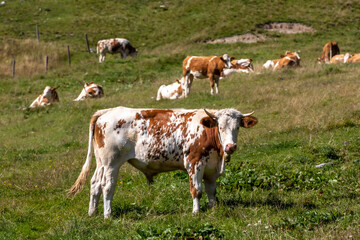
(120, 123)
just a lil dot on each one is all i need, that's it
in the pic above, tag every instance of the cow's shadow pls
(137, 212)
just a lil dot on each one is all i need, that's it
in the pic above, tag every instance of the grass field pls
(271, 188)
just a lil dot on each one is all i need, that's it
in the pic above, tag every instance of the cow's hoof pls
(92, 212)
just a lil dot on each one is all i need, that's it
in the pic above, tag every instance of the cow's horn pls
(212, 116)
(248, 114)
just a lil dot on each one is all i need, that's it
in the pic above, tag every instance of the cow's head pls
(227, 60)
(90, 90)
(50, 93)
(228, 121)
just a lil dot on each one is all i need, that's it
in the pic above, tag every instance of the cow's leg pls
(210, 189)
(188, 81)
(211, 79)
(196, 173)
(108, 185)
(217, 84)
(95, 190)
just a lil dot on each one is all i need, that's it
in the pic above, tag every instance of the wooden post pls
(13, 68)
(46, 63)
(87, 42)
(37, 33)
(68, 49)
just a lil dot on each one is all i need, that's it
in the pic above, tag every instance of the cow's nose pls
(230, 148)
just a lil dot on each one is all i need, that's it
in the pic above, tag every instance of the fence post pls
(13, 68)
(37, 33)
(87, 42)
(68, 49)
(46, 63)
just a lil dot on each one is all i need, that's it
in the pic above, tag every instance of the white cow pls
(154, 141)
(175, 90)
(239, 66)
(90, 90)
(46, 98)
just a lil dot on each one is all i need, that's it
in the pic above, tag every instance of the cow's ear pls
(222, 59)
(250, 60)
(177, 80)
(91, 82)
(248, 121)
(208, 122)
(282, 55)
(232, 58)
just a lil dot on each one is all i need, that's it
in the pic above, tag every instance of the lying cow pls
(205, 67)
(154, 141)
(175, 90)
(354, 59)
(287, 60)
(238, 66)
(90, 90)
(340, 58)
(329, 51)
(115, 45)
(46, 98)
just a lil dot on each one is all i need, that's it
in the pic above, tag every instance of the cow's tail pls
(81, 180)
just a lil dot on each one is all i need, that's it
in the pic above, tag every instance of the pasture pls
(271, 188)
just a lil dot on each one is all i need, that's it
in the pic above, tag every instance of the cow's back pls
(196, 64)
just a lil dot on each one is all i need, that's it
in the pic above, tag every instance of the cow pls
(90, 90)
(329, 51)
(354, 59)
(157, 140)
(238, 66)
(46, 98)
(286, 60)
(175, 90)
(205, 67)
(115, 45)
(340, 58)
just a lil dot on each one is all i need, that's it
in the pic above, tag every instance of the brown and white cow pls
(354, 59)
(115, 45)
(329, 51)
(154, 141)
(90, 90)
(205, 67)
(175, 90)
(239, 66)
(340, 58)
(288, 60)
(46, 98)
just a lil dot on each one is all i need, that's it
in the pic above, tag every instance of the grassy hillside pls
(271, 189)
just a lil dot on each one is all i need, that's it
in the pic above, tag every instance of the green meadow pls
(271, 188)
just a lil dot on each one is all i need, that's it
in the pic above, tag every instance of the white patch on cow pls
(189, 62)
(268, 64)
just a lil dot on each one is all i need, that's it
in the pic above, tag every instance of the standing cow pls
(46, 98)
(115, 45)
(205, 67)
(154, 141)
(329, 50)
(90, 90)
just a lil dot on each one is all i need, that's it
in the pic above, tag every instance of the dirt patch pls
(287, 28)
(245, 38)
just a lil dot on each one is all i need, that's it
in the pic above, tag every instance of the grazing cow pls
(340, 58)
(90, 90)
(205, 67)
(238, 66)
(173, 91)
(115, 45)
(287, 60)
(354, 59)
(154, 141)
(46, 98)
(329, 51)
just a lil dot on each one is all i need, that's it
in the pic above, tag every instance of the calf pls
(154, 141)
(175, 90)
(115, 45)
(46, 98)
(288, 60)
(238, 66)
(205, 67)
(340, 58)
(329, 51)
(90, 90)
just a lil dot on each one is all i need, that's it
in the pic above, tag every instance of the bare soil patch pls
(286, 27)
(245, 38)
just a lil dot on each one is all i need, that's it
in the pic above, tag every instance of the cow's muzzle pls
(230, 148)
